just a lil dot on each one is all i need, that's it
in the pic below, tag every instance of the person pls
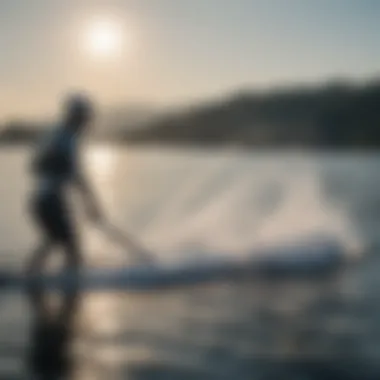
(56, 169)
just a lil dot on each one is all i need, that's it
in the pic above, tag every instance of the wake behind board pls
(294, 261)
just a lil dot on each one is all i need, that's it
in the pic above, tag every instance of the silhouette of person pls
(56, 169)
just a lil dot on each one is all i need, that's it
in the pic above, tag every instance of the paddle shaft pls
(127, 242)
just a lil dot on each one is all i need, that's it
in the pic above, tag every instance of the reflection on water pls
(52, 332)
(190, 205)
(220, 331)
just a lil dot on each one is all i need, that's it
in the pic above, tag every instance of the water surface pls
(192, 205)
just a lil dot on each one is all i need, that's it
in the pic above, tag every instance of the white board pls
(305, 260)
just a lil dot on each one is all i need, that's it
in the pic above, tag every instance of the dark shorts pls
(53, 216)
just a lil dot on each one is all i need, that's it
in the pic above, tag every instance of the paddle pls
(127, 242)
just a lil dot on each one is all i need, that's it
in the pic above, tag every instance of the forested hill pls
(335, 115)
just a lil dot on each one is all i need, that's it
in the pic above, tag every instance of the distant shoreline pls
(203, 146)
(339, 116)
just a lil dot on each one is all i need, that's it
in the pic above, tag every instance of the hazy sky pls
(179, 50)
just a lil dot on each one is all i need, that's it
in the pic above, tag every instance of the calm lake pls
(186, 205)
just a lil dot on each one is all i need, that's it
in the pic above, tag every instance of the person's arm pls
(84, 187)
(91, 203)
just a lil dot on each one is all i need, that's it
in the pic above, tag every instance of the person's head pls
(78, 112)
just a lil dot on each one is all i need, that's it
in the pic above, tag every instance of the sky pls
(178, 51)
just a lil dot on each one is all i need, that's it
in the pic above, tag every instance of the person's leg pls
(38, 257)
(67, 234)
(33, 270)
(73, 255)
(41, 208)
(68, 238)
(73, 266)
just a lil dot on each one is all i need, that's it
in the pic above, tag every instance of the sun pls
(105, 38)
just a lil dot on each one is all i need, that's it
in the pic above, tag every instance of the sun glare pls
(105, 38)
